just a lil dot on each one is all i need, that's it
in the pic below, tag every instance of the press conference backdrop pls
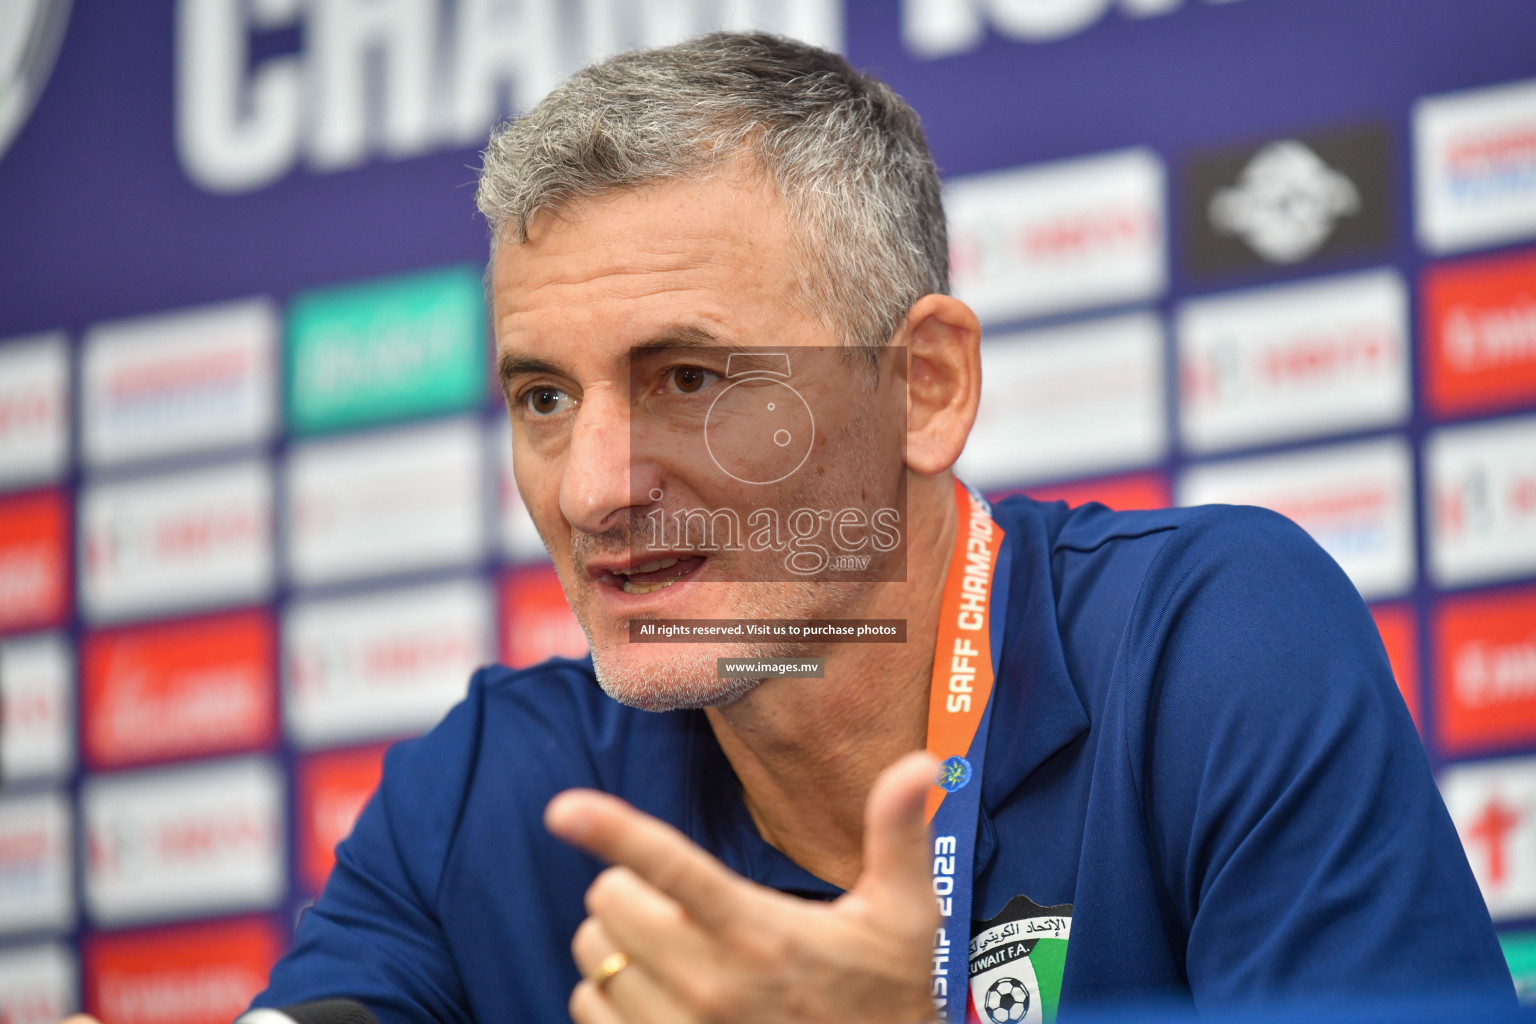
(256, 516)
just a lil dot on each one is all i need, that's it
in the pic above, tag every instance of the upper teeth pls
(661, 563)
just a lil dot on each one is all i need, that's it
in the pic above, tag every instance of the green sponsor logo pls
(403, 346)
(1520, 951)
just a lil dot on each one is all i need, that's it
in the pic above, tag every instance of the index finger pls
(611, 829)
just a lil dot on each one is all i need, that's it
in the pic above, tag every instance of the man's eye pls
(547, 401)
(690, 379)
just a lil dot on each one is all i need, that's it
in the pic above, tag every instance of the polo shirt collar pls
(1036, 708)
(1036, 712)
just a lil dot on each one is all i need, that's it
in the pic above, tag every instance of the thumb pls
(896, 845)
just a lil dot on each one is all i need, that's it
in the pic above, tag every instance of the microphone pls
(321, 1011)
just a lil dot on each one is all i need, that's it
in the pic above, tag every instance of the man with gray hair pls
(858, 745)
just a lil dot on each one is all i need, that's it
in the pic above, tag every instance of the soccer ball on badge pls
(1006, 1001)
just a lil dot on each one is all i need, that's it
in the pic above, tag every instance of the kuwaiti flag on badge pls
(1016, 964)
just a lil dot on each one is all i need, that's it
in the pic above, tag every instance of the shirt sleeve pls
(374, 934)
(1290, 809)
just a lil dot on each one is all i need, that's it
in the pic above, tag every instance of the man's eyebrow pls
(682, 336)
(510, 364)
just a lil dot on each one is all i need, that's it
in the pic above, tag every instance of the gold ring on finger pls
(612, 964)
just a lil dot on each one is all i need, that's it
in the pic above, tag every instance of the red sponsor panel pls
(191, 974)
(1480, 328)
(34, 560)
(331, 791)
(1125, 493)
(536, 623)
(183, 689)
(1485, 671)
(1399, 629)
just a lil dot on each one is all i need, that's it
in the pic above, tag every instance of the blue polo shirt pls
(1197, 753)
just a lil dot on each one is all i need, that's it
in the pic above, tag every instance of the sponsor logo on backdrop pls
(1054, 237)
(34, 409)
(332, 789)
(1482, 516)
(1069, 401)
(36, 876)
(1288, 202)
(205, 686)
(1293, 361)
(445, 67)
(391, 502)
(383, 350)
(34, 555)
(520, 540)
(189, 974)
(179, 382)
(1520, 951)
(1493, 804)
(37, 984)
(1486, 673)
(37, 722)
(1475, 158)
(382, 665)
(941, 28)
(1399, 629)
(536, 621)
(177, 841)
(179, 540)
(1480, 326)
(30, 34)
(1356, 500)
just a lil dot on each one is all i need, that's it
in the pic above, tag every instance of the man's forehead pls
(679, 263)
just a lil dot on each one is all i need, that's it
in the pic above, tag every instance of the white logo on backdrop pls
(177, 840)
(1029, 241)
(384, 664)
(1475, 167)
(520, 539)
(941, 28)
(1294, 360)
(38, 983)
(36, 880)
(1356, 500)
(1069, 401)
(1493, 804)
(30, 34)
(1483, 518)
(34, 410)
(444, 68)
(178, 540)
(399, 501)
(37, 721)
(178, 382)
(1286, 202)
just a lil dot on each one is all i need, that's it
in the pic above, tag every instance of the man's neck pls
(808, 751)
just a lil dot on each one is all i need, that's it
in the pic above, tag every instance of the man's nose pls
(596, 487)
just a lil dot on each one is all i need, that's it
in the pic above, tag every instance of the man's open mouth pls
(654, 574)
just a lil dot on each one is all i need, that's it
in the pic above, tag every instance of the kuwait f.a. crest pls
(1016, 964)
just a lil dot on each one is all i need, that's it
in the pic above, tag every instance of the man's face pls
(642, 341)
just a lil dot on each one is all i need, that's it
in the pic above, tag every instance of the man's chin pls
(642, 679)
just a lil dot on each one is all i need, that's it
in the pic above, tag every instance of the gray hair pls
(844, 153)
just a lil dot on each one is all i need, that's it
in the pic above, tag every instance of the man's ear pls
(943, 341)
